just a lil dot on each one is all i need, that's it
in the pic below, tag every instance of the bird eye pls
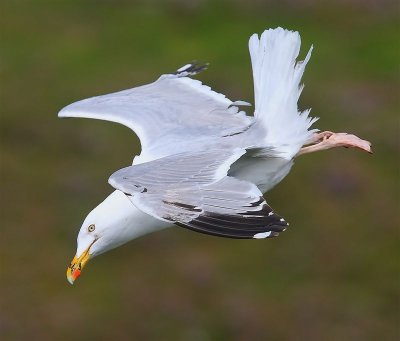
(91, 228)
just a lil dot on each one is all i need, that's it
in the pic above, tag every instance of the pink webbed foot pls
(327, 139)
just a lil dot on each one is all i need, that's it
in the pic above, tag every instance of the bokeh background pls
(334, 275)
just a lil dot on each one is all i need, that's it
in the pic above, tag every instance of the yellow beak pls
(75, 268)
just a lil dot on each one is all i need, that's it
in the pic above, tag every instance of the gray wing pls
(193, 190)
(169, 116)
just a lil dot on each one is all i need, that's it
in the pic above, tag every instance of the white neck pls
(124, 221)
(136, 222)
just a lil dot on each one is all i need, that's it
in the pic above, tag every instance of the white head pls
(113, 223)
(107, 226)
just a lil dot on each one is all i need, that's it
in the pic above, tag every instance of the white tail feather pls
(277, 89)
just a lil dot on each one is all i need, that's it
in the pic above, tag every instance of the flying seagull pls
(204, 163)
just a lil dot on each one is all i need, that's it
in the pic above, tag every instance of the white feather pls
(277, 89)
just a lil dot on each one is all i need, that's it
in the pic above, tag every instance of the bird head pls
(106, 227)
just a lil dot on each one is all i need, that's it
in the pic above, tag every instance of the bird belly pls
(264, 172)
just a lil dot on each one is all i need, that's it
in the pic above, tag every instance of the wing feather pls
(170, 116)
(200, 196)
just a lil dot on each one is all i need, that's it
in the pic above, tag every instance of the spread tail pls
(277, 89)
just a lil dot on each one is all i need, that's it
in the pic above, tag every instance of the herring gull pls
(204, 164)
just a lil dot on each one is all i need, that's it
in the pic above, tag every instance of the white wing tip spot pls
(184, 67)
(270, 214)
(262, 235)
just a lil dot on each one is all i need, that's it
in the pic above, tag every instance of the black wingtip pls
(191, 69)
(241, 226)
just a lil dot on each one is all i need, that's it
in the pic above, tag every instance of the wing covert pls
(165, 113)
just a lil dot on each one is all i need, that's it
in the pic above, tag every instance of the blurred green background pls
(334, 275)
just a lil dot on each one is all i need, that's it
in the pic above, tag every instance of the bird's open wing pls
(167, 114)
(193, 190)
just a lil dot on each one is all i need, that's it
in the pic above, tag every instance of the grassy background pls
(333, 276)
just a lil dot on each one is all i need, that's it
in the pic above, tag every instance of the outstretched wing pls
(167, 115)
(193, 190)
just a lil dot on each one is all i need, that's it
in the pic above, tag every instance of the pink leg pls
(327, 140)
